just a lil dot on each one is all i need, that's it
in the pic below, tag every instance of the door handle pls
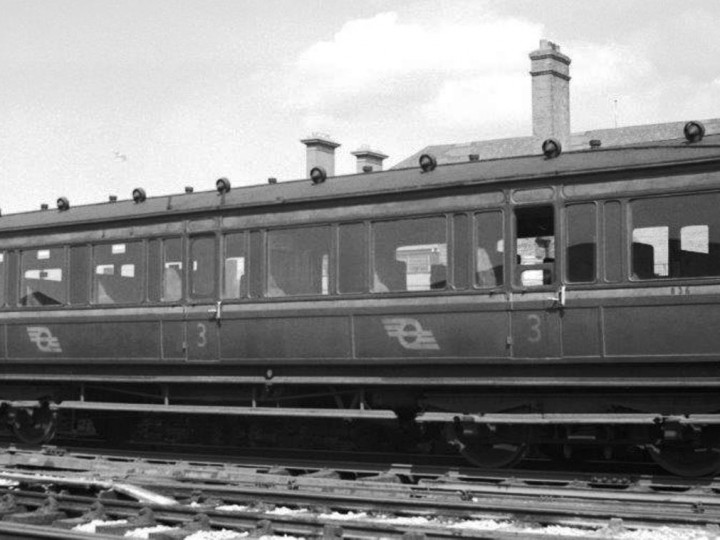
(216, 311)
(559, 300)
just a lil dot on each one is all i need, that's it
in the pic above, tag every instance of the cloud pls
(492, 105)
(445, 71)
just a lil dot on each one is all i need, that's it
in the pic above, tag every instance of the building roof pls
(524, 146)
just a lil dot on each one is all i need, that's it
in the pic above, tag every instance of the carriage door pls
(204, 313)
(537, 296)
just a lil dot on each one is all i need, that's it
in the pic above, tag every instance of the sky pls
(98, 97)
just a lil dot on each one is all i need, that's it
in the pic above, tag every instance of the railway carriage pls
(549, 300)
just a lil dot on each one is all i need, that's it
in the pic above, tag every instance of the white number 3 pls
(202, 335)
(535, 332)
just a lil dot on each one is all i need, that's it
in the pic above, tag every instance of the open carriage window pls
(43, 277)
(410, 255)
(535, 246)
(298, 261)
(118, 273)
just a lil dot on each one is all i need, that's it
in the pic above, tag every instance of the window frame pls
(244, 286)
(447, 228)
(143, 275)
(474, 246)
(331, 263)
(630, 226)
(557, 277)
(599, 223)
(65, 269)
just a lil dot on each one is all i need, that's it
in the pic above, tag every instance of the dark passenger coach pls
(541, 301)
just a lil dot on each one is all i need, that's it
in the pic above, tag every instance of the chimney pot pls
(550, 72)
(369, 158)
(189, 189)
(44, 206)
(474, 157)
(112, 198)
(272, 180)
(595, 143)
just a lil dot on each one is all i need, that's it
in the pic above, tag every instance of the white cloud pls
(486, 106)
(452, 73)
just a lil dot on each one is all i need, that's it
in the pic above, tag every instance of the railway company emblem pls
(410, 334)
(43, 338)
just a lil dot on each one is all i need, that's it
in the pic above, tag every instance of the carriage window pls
(613, 241)
(410, 255)
(234, 266)
(352, 262)
(676, 237)
(489, 250)
(118, 273)
(172, 269)
(298, 261)
(202, 266)
(43, 277)
(3, 271)
(581, 242)
(535, 246)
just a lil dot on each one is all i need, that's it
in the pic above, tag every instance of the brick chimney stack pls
(368, 158)
(550, 71)
(320, 153)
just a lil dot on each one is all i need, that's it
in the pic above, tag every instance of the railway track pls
(306, 500)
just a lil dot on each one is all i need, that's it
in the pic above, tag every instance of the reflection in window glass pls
(489, 249)
(172, 269)
(352, 263)
(234, 266)
(410, 255)
(535, 246)
(676, 237)
(298, 261)
(119, 268)
(581, 243)
(202, 259)
(43, 277)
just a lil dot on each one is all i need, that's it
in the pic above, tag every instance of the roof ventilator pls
(318, 175)
(551, 148)
(694, 131)
(139, 195)
(222, 185)
(427, 162)
(63, 204)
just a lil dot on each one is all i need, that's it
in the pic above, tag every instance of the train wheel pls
(489, 447)
(34, 427)
(685, 460)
